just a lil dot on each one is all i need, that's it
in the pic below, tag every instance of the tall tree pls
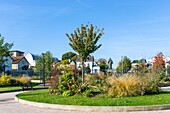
(48, 64)
(4, 50)
(159, 63)
(84, 42)
(69, 55)
(45, 61)
(124, 65)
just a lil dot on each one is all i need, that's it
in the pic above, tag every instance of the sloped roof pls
(17, 59)
(16, 51)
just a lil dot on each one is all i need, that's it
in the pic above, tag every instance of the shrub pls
(5, 80)
(13, 81)
(125, 86)
(68, 81)
(24, 79)
(92, 80)
(150, 83)
(53, 89)
(104, 85)
(68, 93)
(87, 93)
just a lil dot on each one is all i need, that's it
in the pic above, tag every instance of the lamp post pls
(43, 68)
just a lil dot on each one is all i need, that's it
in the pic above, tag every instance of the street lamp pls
(43, 68)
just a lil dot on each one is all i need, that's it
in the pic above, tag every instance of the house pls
(95, 69)
(31, 58)
(136, 62)
(7, 65)
(19, 61)
(15, 53)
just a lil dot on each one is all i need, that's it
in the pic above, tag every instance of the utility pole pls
(43, 69)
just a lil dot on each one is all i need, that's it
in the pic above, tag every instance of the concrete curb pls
(94, 108)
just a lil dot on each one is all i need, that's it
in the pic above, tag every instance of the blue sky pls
(133, 28)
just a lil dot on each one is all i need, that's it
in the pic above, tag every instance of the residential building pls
(31, 58)
(15, 53)
(95, 69)
(7, 65)
(19, 61)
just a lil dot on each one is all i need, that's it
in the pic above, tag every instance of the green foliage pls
(126, 62)
(91, 80)
(162, 75)
(103, 67)
(68, 93)
(84, 42)
(53, 89)
(6, 80)
(150, 83)
(4, 50)
(46, 60)
(63, 66)
(87, 70)
(48, 64)
(69, 55)
(68, 81)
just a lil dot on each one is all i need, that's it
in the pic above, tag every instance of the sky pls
(133, 28)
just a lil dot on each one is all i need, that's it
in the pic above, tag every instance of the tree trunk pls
(82, 71)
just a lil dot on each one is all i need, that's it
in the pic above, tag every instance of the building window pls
(88, 64)
(95, 71)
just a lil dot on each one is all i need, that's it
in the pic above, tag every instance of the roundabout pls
(84, 108)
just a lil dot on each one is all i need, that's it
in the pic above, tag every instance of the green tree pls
(45, 61)
(124, 64)
(69, 55)
(84, 42)
(48, 64)
(4, 50)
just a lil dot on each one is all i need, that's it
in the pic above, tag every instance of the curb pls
(94, 108)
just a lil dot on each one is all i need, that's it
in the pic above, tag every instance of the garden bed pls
(43, 96)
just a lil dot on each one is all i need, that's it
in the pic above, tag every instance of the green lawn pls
(44, 97)
(13, 88)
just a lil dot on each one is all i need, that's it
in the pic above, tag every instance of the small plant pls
(53, 89)
(5, 80)
(24, 79)
(67, 93)
(68, 81)
(87, 93)
(150, 83)
(125, 86)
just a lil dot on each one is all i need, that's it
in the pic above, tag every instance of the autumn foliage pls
(159, 63)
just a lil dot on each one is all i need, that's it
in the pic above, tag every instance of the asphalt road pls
(9, 105)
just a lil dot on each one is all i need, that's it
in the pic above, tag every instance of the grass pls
(13, 88)
(43, 96)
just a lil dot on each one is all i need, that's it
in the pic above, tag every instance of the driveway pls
(9, 105)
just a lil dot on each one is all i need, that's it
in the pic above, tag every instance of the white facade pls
(95, 69)
(30, 58)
